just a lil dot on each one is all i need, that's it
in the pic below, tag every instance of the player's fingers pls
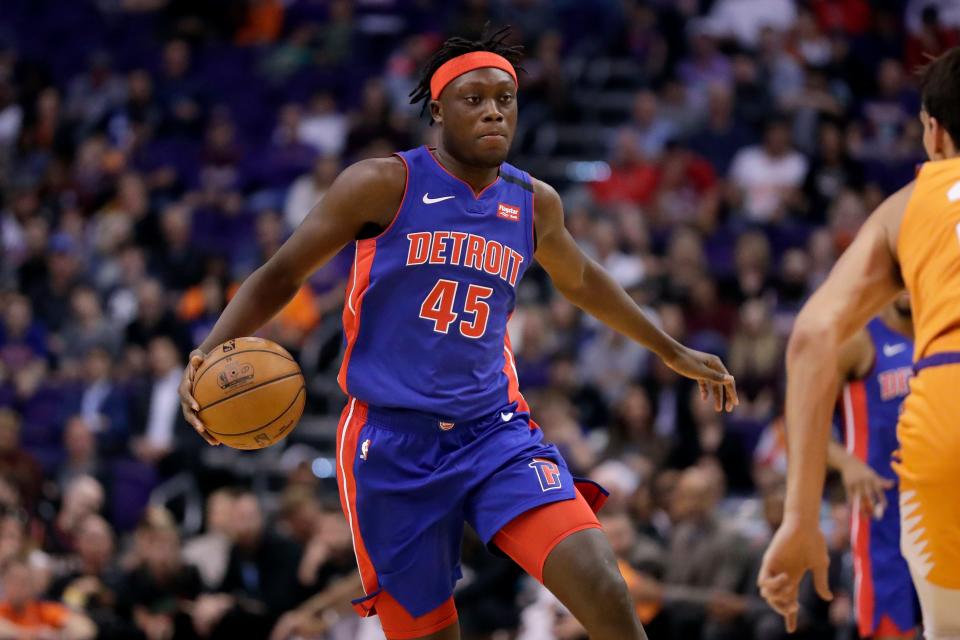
(887, 483)
(199, 427)
(768, 581)
(821, 583)
(704, 390)
(862, 496)
(732, 398)
(718, 397)
(790, 620)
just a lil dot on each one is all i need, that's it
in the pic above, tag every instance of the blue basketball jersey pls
(870, 410)
(871, 406)
(427, 303)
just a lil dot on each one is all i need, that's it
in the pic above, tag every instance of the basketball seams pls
(210, 366)
(256, 386)
(302, 390)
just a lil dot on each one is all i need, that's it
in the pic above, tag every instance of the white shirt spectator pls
(164, 407)
(303, 195)
(744, 19)
(764, 178)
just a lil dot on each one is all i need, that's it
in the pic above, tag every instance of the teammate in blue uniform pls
(876, 365)
(435, 432)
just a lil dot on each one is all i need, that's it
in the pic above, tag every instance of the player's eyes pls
(506, 98)
(473, 99)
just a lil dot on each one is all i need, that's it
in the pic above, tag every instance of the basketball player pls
(876, 365)
(435, 432)
(911, 240)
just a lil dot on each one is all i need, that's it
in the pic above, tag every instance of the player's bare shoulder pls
(372, 189)
(891, 212)
(548, 208)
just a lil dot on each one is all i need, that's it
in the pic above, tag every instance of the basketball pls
(251, 393)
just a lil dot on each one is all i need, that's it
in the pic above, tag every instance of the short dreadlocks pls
(493, 42)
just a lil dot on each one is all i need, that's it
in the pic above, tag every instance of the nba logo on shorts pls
(547, 473)
(364, 448)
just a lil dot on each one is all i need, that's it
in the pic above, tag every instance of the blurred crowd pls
(716, 156)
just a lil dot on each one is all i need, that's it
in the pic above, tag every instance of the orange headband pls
(456, 67)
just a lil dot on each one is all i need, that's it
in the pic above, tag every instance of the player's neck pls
(479, 178)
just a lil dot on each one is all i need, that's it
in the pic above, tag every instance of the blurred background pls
(715, 156)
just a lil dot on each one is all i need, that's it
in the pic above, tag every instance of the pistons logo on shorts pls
(548, 473)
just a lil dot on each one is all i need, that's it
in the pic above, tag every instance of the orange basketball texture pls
(251, 393)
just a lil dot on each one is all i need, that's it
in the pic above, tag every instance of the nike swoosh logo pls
(506, 415)
(891, 350)
(428, 200)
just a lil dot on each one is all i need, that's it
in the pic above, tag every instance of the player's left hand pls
(865, 487)
(795, 549)
(709, 372)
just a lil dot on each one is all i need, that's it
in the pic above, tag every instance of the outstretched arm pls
(368, 192)
(865, 278)
(587, 285)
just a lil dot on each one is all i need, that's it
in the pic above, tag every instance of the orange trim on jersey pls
(513, 387)
(348, 432)
(359, 282)
(456, 67)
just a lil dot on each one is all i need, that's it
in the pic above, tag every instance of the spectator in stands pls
(263, 566)
(757, 353)
(154, 318)
(22, 340)
(88, 328)
(101, 402)
(210, 551)
(51, 298)
(84, 496)
(715, 569)
(161, 590)
(768, 177)
(158, 411)
(831, 170)
(178, 261)
(323, 127)
(722, 135)
(81, 457)
(93, 585)
(648, 126)
(16, 464)
(23, 615)
(93, 95)
(307, 191)
(179, 92)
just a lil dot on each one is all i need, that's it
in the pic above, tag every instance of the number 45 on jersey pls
(438, 307)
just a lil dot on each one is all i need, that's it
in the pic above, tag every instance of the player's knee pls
(610, 592)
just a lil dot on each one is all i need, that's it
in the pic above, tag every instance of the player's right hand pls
(795, 549)
(188, 404)
(709, 372)
(865, 486)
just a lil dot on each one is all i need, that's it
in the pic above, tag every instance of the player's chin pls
(491, 151)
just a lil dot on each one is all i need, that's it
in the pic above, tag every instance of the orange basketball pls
(251, 393)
